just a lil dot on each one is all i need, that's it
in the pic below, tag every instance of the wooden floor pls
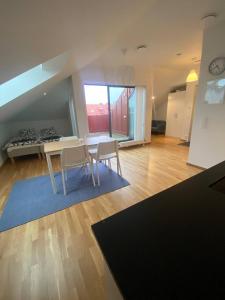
(56, 257)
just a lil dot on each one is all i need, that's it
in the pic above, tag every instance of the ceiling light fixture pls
(192, 76)
(153, 97)
(44, 93)
(140, 47)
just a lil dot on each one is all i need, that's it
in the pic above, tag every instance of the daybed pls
(28, 142)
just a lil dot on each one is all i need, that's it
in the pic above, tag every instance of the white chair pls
(105, 152)
(73, 157)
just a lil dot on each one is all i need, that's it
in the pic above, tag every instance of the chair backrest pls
(107, 148)
(74, 156)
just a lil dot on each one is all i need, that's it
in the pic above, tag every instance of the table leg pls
(12, 160)
(49, 162)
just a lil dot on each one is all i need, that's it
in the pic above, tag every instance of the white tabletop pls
(89, 141)
(95, 140)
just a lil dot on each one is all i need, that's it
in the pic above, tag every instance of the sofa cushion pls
(47, 132)
(52, 137)
(27, 134)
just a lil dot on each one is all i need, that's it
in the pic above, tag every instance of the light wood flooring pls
(57, 257)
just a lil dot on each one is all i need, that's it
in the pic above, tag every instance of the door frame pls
(108, 96)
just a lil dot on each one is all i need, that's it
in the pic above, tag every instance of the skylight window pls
(28, 80)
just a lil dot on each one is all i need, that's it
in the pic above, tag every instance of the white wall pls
(4, 136)
(208, 133)
(190, 98)
(160, 110)
(175, 114)
(62, 126)
(163, 79)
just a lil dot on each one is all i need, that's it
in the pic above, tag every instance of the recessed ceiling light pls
(140, 47)
(44, 93)
(153, 97)
(124, 51)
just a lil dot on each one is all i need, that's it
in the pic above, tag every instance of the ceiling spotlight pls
(44, 93)
(140, 47)
(153, 97)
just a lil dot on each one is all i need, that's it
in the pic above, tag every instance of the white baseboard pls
(132, 143)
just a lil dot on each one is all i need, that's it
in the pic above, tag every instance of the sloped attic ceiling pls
(94, 32)
(14, 88)
(17, 105)
(166, 28)
(51, 106)
(35, 31)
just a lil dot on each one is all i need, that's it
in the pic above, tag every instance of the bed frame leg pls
(12, 160)
(39, 156)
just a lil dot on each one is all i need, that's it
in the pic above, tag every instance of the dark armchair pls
(158, 127)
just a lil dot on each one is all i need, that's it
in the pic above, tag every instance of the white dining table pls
(55, 148)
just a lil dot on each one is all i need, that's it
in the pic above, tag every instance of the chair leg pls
(88, 168)
(85, 167)
(92, 173)
(66, 176)
(64, 183)
(97, 171)
(119, 171)
(109, 163)
(12, 160)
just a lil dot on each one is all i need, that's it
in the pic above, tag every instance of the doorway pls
(110, 110)
(97, 106)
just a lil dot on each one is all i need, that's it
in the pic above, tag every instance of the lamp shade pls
(192, 76)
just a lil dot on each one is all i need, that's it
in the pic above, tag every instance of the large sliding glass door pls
(115, 111)
(97, 106)
(120, 112)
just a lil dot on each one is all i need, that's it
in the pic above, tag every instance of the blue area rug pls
(33, 198)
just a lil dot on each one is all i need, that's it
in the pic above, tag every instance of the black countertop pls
(171, 245)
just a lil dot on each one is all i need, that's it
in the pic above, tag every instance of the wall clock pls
(217, 66)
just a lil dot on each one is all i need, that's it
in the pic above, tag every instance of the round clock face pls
(217, 66)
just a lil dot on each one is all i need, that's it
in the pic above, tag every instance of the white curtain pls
(139, 116)
(73, 116)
